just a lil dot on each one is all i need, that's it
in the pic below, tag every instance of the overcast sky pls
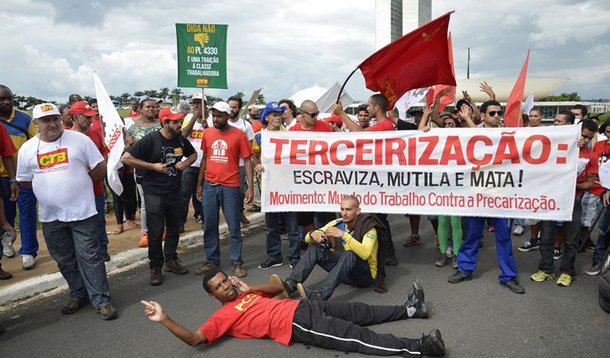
(50, 48)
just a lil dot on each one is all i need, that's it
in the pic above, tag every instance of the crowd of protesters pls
(208, 157)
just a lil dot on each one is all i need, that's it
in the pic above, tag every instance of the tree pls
(240, 95)
(138, 93)
(176, 93)
(124, 98)
(151, 93)
(564, 97)
(164, 93)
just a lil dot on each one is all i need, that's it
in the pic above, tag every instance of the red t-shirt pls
(589, 159)
(257, 125)
(384, 125)
(96, 125)
(253, 315)
(133, 114)
(222, 151)
(7, 147)
(318, 126)
(96, 138)
(602, 149)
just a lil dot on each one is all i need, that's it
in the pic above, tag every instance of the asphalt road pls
(478, 318)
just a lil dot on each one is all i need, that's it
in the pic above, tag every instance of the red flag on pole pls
(512, 114)
(449, 97)
(418, 59)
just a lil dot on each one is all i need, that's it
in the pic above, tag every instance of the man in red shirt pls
(82, 118)
(222, 146)
(252, 312)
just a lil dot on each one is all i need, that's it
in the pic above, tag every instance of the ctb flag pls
(418, 59)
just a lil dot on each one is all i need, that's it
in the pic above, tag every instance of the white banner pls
(498, 172)
(113, 130)
(408, 99)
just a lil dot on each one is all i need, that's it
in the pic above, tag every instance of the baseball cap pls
(170, 114)
(45, 109)
(222, 107)
(459, 104)
(83, 108)
(270, 108)
(334, 119)
(197, 95)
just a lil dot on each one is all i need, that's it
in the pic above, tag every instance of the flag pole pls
(344, 83)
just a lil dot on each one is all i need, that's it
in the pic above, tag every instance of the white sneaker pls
(7, 245)
(28, 262)
(518, 230)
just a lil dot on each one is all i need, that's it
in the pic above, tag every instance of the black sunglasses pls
(311, 114)
(493, 113)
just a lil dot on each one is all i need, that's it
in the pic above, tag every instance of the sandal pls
(117, 231)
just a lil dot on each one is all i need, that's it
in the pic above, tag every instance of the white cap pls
(222, 107)
(45, 109)
(197, 95)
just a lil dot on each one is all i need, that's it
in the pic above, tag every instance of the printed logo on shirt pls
(171, 156)
(246, 302)
(197, 134)
(219, 151)
(49, 161)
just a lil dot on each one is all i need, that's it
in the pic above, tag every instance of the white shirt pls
(245, 127)
(195, 138)
(59, 174)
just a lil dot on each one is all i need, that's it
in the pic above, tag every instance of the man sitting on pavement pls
(356, 264)
(252, 312)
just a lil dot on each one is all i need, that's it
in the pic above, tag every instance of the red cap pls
(82, 108)
(170, 114)
(334, 119)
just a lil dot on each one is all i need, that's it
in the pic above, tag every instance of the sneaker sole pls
(528, 249)
(549, 278)
(29, 267)
(272, 266)
(593, 273)
(167, 269)
(277, 280)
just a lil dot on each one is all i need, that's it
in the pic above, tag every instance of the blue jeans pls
(602, 240)
(341, 267)
(274, 243)
(26, 201)
(189, 186)
(76, 249)
(467, 257)
(228, 198)
(100, 205)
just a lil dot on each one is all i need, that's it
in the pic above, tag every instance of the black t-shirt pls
(3, 190)
(155, 148)
(405, 126)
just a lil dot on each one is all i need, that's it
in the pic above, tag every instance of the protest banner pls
(113, 131)
(202, 55)
(497, 172)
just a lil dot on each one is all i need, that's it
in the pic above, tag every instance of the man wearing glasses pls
(491, 113)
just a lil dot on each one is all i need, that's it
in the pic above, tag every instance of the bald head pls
(309, 106)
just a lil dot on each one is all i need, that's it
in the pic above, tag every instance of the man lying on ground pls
(252, 312)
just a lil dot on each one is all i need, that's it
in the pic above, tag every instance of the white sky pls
(50, 48)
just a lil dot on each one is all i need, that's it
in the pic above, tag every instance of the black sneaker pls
(155, 278)
(432, 344)
(594, 270)
(442, 261)
(458, 277)
(270, 263)
(557, 254)
(393, 261)
(415, 304)
(589, 245)
(514, 286)
(530, 245)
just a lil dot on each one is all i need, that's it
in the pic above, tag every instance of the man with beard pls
(223, 146)
(160, 155)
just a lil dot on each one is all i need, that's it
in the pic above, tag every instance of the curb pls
(45, 285)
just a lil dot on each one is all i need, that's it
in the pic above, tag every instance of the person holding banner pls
(491, 112)
(159, 154)
(82, 119)
(587, 171)
(271, 117)
(223, 146)
(355, 262)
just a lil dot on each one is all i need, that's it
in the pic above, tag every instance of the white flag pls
(527, 106)
(113, 129)
(408, 99)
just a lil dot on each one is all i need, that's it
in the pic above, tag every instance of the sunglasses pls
(493, 113)
(310, 114)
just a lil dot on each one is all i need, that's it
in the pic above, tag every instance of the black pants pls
(341, 326)
(125, 204)
(388, 244)
(162, 212)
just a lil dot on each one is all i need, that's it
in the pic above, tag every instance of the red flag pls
(449, 97)
(512, 114)
(418, 59)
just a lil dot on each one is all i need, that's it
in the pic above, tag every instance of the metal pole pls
(344, 83)
(468, 66)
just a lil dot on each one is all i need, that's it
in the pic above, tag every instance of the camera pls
(326, 244)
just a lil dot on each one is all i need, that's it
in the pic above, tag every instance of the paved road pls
(478, 318)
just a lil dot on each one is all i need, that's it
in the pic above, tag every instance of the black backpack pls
(604, 284)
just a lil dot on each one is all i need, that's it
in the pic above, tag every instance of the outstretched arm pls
(270, 288)
(155, 313)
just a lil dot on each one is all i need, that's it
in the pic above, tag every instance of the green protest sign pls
(202, 55)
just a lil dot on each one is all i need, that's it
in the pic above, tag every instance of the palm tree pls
(164, 93)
